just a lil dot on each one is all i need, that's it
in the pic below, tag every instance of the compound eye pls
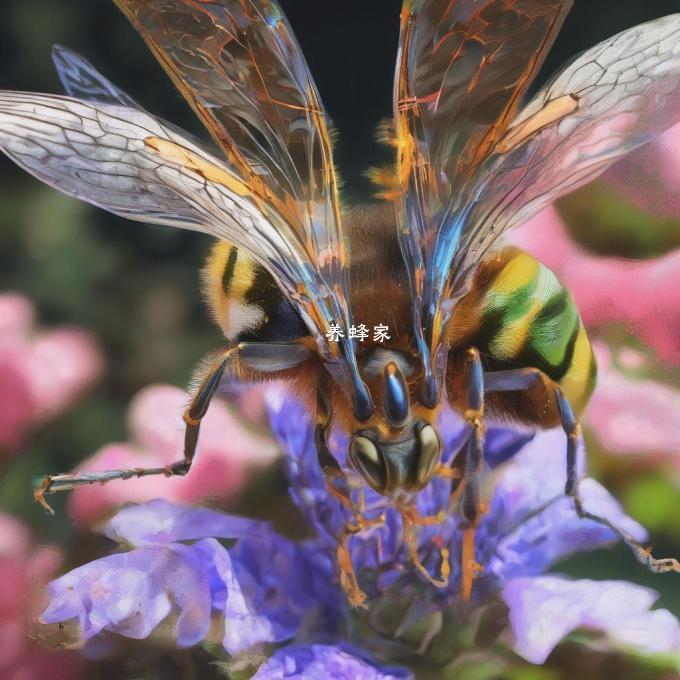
(365, 456)
(430, 453)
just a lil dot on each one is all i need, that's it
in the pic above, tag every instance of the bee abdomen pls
(244, 299)
(520, 316)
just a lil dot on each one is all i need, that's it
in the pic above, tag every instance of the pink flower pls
(61, 365)
(226, 450)
(633, 416)
(41, 373)
(641, 295)
(17, 316)
(17, 405)
(24, 571)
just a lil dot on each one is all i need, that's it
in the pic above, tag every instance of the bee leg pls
(246, 361)
(525, 379)
(472, 509)
(348, 578)
(411, 519)
(192, 417)
(454, 472)
(573, 430)
(471, 502)
(337, 485)
(336, 482)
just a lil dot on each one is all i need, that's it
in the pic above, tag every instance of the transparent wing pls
(461, 71)
(239, 66)
(129, 163)
(95, 154)
(462, 67)
(609, 101)
(81, 80)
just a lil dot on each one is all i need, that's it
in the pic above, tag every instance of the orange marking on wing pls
(193, 162)
(288, 105)
(551, 113)
(254, 187)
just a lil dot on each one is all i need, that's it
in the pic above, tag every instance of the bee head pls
(399, 447)
(390, 466)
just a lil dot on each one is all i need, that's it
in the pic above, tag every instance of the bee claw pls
(348, 580)
(411, 518)
(39, 495)
(660, 566)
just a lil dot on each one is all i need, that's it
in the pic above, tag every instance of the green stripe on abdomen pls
(552, 336)
(528, 320)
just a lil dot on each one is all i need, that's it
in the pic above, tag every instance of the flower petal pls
(271, 589)
(131, 593)
(557, 532)
(155, 420)
(502, 443)
(17, 317)
(544, 610)
(16, 397)
(162, 522)
(244, 624)
(312, 662)
(62, 364)
(634, 416)
(531, 524)
(290, 422)
(265, 585)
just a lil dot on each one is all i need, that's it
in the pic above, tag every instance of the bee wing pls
(95, 153)
(125, 161)
(462, 69)
(239, 66)
(606, 103)
(81, 80)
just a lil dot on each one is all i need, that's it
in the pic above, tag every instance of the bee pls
(475, 324)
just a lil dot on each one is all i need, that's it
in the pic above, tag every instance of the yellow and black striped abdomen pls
(520, 316)
(245, 301)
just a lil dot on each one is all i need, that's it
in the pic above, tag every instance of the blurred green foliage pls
(608, 223)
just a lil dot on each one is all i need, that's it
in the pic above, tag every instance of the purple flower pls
(545, 609)
(266, 589)
(263, 588)
(530, 524)
(340, 662)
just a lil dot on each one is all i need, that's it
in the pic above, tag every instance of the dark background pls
(350, 47)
